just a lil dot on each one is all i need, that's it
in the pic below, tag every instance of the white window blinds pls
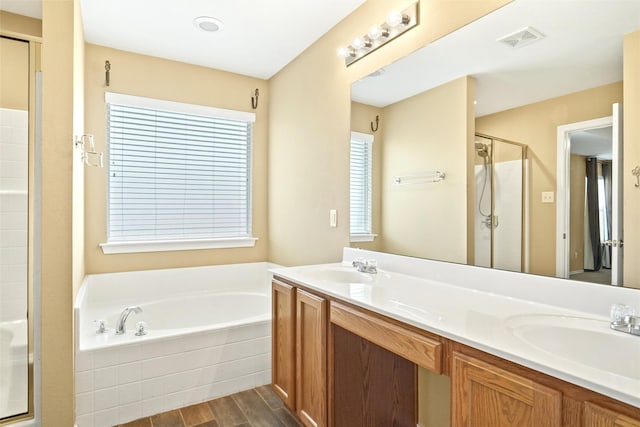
(360, 183)
(177, 171)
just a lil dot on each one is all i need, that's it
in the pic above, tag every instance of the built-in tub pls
(208, 335)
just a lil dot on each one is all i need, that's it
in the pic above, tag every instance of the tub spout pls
(120, 325)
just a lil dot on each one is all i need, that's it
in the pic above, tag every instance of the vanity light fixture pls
(378, 35)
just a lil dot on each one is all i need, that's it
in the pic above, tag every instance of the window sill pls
(355, 238)
(176, 245)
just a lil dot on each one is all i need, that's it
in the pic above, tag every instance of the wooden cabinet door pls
(311, 333)
(283, 343)
(597, 416)
(484, 395)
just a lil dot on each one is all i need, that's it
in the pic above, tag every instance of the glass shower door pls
(500, 204)
(14, 215)
(508, 207)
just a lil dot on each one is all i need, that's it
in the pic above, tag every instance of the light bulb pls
(375, 32)
(394, 19)
(345, 51)
(358, 43)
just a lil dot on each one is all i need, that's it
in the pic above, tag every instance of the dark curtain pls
(606, 175)
(592, 211)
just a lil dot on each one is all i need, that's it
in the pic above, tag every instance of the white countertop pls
(560, 334)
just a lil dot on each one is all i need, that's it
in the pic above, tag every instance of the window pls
(179, 176)
(360, 187)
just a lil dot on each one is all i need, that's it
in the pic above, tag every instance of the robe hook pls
(636, 173)
(377, 124)
(254, 101)
(107, 70)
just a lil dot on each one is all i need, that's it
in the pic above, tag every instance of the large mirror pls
(483, 106)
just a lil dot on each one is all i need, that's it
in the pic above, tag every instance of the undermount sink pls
(339, 274)
(582, 340)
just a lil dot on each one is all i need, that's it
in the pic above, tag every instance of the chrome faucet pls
(366, 266)
(623, 319)
(120, 325)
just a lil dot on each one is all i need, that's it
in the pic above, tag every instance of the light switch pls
(333, 218)
(547, 197)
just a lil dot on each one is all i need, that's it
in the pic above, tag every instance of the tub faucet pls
(120, 325)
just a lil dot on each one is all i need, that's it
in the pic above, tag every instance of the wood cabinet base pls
(340, 365)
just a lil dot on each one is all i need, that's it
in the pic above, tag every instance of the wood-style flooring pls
(602, 276)
(259, 407)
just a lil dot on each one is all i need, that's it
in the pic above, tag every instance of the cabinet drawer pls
(597, 416)
(419, 349)
(487, 395)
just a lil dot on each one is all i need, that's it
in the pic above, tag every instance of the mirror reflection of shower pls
(500, 192)
(482, 150)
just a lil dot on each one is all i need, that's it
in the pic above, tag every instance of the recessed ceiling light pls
(208, 23)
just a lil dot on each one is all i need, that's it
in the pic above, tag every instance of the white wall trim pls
(362, 237)
(176, 245)
(201, 110)
(562, 188)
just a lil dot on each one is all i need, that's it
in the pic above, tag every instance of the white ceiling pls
(582, 49)
(258, 39)
(593, 143)
(32, 8)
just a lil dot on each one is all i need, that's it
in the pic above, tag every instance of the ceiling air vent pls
(522, 37)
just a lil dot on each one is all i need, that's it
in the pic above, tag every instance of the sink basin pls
(339, 274)
(581, 340)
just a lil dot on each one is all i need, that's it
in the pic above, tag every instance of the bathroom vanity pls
(346, 346)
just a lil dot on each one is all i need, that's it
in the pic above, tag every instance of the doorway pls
(588, 213)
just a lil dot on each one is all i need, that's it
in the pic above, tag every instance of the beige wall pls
(577, 171)
(309, 127)
(362, 117)
(427, 132)
(60, 252)
(536, 125)
(18, 25)
(631, 224)
(14, 74)
(140, 75)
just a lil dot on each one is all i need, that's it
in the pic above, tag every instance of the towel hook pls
(107, 70)
(254, 101)
(636, 173)
(377, 124)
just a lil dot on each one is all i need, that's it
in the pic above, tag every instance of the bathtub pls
(208, 334)
(14, 364)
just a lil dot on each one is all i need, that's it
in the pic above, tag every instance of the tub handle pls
(101, 326)
(141, 329)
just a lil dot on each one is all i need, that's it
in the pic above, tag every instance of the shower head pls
(482, 149)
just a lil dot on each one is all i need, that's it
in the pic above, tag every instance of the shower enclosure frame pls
(524, 238)
(34, 98)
